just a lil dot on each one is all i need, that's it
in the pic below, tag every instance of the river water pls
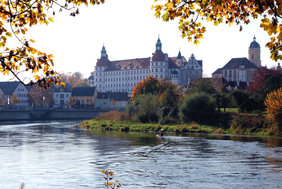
(59, 155)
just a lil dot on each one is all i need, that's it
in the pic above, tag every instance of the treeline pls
(159, 101)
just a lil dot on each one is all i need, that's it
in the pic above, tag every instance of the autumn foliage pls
(192, 14)
(273, 104)
(16, 18)
(259, 78)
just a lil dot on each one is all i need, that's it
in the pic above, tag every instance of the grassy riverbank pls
(129, 126)
(155, 127)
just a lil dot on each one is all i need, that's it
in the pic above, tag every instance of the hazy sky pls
(129, 29)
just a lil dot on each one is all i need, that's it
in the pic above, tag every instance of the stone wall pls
(10, 115)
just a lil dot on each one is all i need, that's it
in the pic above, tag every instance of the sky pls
(129, 30)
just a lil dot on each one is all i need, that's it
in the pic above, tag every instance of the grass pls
(229, 110)
(124, 126)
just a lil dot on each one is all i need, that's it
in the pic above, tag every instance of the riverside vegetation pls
(156, 104)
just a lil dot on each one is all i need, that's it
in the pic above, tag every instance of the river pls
(59, 155)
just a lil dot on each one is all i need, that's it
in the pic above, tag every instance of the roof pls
(129, 64)
(83, 91)
(171, 64)
(117, 96)
(67, 88)
(218, 71)
(158, 56)
(233, 84)
(103, 61)
(179, 55)
(9, 87)
(254, 44)
(235, 62)
(91, 77)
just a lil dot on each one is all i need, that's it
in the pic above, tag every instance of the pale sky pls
(129, 30)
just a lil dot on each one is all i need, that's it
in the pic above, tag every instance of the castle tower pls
(101, 66)
(254, 53)
(179, 61)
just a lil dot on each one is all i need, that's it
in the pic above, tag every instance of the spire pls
(158, 45)
(254, 38)
(179, 55)
(104, 52)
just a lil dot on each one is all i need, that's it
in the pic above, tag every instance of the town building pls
(83, 97)
(61, 95)
(123, 75)
(111, 100)
(14, 87)
(240, 70)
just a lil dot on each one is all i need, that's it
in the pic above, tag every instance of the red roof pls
(138, 63)
(103, 62)
(158, 56)
(171, 64)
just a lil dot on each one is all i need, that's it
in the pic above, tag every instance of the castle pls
(123, 75)
(241, 69)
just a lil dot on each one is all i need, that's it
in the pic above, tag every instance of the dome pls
(159, 42)
(254, 44)
(103, 50)
(91, 77)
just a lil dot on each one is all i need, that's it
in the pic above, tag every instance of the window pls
(161, 70)
(156, 64)
(225, 73)
(161, 76)
(152, 64)
(161, 64)
(137, 77)
(100, 68)
(230, 73)
(252, 56)
(57, 95)
(156, 76)
(152, 70)
(156, 69)
(67, 95)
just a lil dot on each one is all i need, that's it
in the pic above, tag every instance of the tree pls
(2, 101)
(196, 107)
(15, 100)
(74, 79)
(244, 101)
(191, 12)
(202, 85)
(146, 86)
(113, 102)
(71, 101)
(147, 108)
(259, 78)
(273, 104)
(37, 95)
(18, 16)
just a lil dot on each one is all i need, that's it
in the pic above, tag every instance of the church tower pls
(254, 53)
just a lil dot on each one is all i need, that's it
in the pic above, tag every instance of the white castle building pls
(123, 75)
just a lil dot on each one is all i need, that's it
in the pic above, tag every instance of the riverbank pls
(155, 127)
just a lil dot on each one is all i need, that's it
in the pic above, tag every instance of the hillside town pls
(111, 83)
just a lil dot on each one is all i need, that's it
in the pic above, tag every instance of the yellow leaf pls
(51, 19)
(32, 40)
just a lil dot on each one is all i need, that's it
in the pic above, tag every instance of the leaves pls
(191, 14)
(25, 58)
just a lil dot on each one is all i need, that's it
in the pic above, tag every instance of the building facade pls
(123, 75)
(241, 69)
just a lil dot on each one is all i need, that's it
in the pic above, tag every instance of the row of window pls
(20, 89)
(161, 70)
(62, 95)
(156, 64)
(21, 95)
(118, 90)
(124, 72)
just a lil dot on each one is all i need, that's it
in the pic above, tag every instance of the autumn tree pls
(146, 86)
(15, 100)
(16, 18)
(192, 14)
(113, 102)
(74, 79)
(38, 95)
(259, 78)
(273, 104)
(2, 101)
(71, 101)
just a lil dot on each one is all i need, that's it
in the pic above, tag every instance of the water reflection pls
(59, 155)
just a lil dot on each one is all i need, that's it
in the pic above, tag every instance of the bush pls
(247, 124)
(197, 107)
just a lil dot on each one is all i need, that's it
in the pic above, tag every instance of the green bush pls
(198, 107)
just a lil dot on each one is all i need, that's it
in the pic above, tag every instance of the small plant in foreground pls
(108, 177)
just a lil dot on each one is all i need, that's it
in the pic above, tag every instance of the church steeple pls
(104, 52)
(159, 45)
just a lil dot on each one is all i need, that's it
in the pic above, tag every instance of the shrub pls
(197, 107)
